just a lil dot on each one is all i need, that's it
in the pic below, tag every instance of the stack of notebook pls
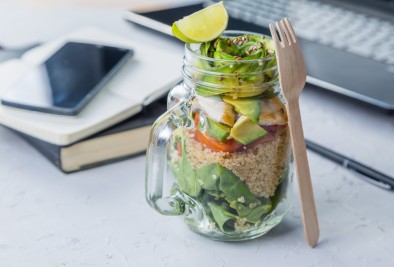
(125, 139)
(115, 124)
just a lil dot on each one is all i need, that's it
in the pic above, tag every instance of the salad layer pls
(235, 161)
(237, 190)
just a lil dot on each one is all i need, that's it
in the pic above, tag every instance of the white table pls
(99, 217)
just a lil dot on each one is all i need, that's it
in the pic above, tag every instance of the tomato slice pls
(226, 146)
(179, 148)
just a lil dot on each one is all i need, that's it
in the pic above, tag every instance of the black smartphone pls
(66, 82)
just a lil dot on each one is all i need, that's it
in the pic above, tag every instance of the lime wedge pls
(202, 26)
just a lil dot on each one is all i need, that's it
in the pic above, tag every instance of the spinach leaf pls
(174, 168)
(229, 183)
(220, 214)
(209, 175)
(234, 188)
(280, 191)
(253, 215)
(186, 176)
(214, 193)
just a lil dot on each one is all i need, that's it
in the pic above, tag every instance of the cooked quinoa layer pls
(260, 167)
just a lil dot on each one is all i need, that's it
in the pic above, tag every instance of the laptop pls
(348, 45)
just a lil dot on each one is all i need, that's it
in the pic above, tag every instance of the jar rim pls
(193, 52)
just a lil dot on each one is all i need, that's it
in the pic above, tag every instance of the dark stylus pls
(373, 176)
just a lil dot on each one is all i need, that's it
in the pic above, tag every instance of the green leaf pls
(234, 188)
(224, 46)
(254, 215)
(209, 175)
(214, 193)
(220, 214)
(222, 55)
(174, 168)
(280, 191)
(187, 178)
(204, 48)
(271, 72)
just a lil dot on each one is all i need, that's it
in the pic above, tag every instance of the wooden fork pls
(292, 77)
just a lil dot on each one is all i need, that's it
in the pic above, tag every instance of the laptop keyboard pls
(329, 25)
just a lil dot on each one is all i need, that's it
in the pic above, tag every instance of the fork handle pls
(307, 201)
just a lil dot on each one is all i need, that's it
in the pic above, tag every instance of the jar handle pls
(179, 116)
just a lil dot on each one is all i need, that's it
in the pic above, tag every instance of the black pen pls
(370, 175)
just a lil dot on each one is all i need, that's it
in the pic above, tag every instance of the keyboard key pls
(360, 50)
(390, 61)
(384, 55)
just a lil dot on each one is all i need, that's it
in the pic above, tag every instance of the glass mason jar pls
(220, 156)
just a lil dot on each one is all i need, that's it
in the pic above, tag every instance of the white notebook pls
(146, 76)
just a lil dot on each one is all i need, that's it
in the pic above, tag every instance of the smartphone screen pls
(68, 80)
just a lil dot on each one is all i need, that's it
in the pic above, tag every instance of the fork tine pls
(281, 34)
(274, 37)
(286, 32)
(291, 30)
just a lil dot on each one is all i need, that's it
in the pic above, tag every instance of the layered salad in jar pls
(234, 162)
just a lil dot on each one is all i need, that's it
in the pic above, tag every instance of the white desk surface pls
(99, 217)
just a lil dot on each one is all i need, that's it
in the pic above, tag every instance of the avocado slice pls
(216, 130)
(269, 44)
(246, 106)
(245, 131)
